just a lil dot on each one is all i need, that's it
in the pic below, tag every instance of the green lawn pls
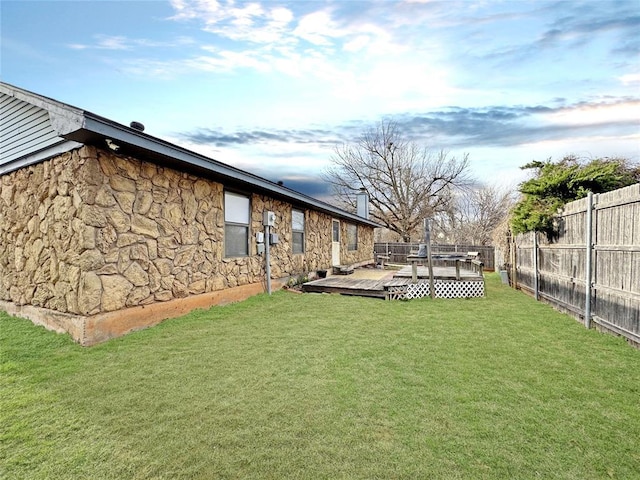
(325, 386)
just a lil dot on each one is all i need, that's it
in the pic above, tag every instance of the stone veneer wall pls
(90, 231)
(365, 245)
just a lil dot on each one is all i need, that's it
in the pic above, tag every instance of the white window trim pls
(237, 224)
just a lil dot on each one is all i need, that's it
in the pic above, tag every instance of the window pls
(297, 228)
(236, 225)
(336, 231)
(352, 237)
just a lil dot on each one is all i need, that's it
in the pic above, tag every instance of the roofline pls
(85, 127)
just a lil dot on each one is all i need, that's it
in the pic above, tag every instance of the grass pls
(319, 386)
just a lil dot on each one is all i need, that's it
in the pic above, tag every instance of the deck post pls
(427, 240)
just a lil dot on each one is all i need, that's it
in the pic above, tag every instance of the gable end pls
(26, 134)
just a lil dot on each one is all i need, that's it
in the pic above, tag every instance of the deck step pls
(342, 270)
(363, 288)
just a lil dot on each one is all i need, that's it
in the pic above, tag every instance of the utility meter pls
(268, 219)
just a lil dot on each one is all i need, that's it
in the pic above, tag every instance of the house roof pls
(74, 126)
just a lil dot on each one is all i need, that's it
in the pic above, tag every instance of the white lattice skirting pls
(452, 289)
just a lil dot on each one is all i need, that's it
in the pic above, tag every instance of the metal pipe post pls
(536, 287)
(427, 240)
(588, 265)
(267, 259)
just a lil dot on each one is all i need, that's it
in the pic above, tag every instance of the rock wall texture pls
(90, 231)
(365, 244)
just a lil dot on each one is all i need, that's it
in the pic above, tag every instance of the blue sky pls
(272, 87)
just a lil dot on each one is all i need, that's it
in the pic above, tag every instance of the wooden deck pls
(380, 286)
(354, 286)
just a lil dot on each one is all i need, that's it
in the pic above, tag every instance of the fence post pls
(427, 240)
(535, 265)
(514, 259)
(588, 265)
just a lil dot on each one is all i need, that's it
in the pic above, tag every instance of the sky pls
(272, 87)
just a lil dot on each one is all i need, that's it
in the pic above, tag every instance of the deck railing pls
(398, 252)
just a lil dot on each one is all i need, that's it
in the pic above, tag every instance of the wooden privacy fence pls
(397, 252)
(592, 269)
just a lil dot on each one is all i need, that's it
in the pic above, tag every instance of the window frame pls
(295, 231)
(231, 223)
(335, 231)
(352, 231)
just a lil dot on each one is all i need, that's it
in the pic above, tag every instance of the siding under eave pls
(26, 134)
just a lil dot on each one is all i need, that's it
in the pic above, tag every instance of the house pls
(105, 229)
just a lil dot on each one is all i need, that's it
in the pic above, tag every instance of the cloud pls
(356, 51)
(118, 42)
(317, 28)
(574, 26)
(217, 138)
(359, 43)
(283, 34)
(374, 58)
(630, 79)
(307, 184)
(104, 42)
(601, 126)
(342, 42)
(251, 22)
(623, 111)
(227, 60)
(519, 125)
(269, 155)
(458, 127)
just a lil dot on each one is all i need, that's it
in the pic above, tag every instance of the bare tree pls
(405, 182)
(474, 215)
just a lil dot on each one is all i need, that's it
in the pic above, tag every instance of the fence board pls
(561, 269)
